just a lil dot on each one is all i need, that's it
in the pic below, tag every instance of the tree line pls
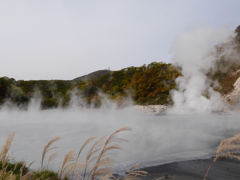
(147, 84)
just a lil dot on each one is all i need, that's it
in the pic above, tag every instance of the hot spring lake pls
(154, 139)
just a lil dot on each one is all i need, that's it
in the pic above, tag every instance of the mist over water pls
(153, 140)
(188, 130)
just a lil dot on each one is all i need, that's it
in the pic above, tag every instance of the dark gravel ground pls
(222, 169)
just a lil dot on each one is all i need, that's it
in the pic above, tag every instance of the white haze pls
(154, 139)
(194, 53)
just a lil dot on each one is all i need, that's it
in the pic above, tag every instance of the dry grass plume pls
(229, 148)
(67, 165)
(4, 153)
(47, 148)
(96, 164)
(134, 175)
(103, 163)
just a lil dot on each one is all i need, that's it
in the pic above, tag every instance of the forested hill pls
(147, 84)
(93, 75)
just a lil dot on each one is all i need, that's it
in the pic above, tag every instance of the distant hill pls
(146, 85)
(93, 75)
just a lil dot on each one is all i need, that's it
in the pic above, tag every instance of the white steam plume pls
(193, 52)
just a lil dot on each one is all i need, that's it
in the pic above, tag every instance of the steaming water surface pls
(153, 140)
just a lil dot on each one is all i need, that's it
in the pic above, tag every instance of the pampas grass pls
(131, 175)
(4, 174)
(4, 153)
(51, 158)
(84, 145)
(67, 164)
(229, 148)
(96, 164)
(97, 157)
(88, 155)
(27, 176)
(47, 148)
(103, 163)
(134, 175)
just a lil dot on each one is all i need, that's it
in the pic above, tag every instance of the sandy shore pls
(222, 169)
(162, 109)
(151, 109)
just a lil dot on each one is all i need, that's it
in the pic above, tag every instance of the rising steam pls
(194, 52)
(154, 139)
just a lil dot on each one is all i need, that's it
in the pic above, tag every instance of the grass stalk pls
(97, 158)
(70, 156)
(81, 149)
(47, 148)
(229, 148)
(96, 147)
(107, 146)
(4, 153)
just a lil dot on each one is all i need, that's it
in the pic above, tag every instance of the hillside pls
(227, 70)
(146, 85)
(233, 97)
(93, 75)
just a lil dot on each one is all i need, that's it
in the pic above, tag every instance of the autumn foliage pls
(147, 84)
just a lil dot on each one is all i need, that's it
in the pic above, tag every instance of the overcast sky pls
(65, 39)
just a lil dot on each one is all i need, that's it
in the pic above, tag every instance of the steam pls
(194, 52)
(154, 139)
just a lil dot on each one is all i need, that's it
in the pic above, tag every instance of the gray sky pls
(60, 39)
